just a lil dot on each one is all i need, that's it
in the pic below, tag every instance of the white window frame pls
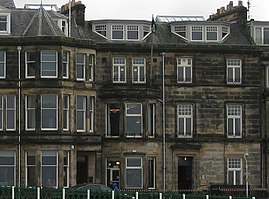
(211, 29)
(185, 112)
(132, 28)
(13, 155)
(184, 63)
(118, 28)
(140, 65)
(66, 61)
(27, 166)
(1, 112)
(66, 154)
(28, 63)
(153, 175)
(267, 76)
(27, 110)
(52, 62)
(91, 66)
(134, 168)
(8, 21)
(140, 115)
(179, 29)
(119, 64)
(11, 109)
(91, 113)
(232, 166)
(3, 62)
(261, 42)
(151, 120)
(50, 108)
(66, 112)
(234, 112)
(101, 29)
(83, 111)
(234, 64)
(198, 29)
(49, 165)
(81, 65)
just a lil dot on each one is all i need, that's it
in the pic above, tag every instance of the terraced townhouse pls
(175, 106)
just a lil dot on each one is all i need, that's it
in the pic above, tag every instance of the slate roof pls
(7, 4)
(30, 22)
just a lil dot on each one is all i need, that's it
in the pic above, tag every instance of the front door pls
(185, 173)
(113, 172)
(82, 169)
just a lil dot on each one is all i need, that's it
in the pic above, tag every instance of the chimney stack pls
(77, 11)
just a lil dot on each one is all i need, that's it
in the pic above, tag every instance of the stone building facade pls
(87, 105)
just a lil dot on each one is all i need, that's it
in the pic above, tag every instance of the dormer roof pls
(42, 24)
(7, 4)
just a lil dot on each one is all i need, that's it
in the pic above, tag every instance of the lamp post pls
(163, 118)
(246, 161)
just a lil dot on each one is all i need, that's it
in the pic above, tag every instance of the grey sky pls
(143, 9)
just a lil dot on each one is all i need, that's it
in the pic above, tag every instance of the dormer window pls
(4, 23)
(146, 31)
(197, 33)
(117, 32)
(212, 33)
(225, 31)
(181, 30)
(132, 32)
(201, 32)
(261, 35)
(101, 29)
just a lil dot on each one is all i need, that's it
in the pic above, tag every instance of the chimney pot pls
(222, 10)
(240, 3)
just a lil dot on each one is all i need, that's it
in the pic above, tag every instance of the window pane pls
(7, 168)
(133, 178)
(49, 63)
(3, 23)
(258, 35)
(266, 36)
(30, 111)
(11, 112)
(49, 111)
(133, 125)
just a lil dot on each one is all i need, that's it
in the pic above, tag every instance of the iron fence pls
(51, 193)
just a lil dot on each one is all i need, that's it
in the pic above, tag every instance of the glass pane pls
(134, 162)
(180, 74)
(48, 176)
(237, 74)
(133, 125)
(266, 36)
(49, 118)
(181, 126)
(133, 108)
(80, 120)
(238, 177)
(31, 176)
(10, 119)
(49, 56)
(230, 126)
(230, 178)
(196, 35)
(117, 34)
(132, 34)
(49, 101)
(211, 36)
(7, 176)
(258, 35)
(11, 101)
(230, 75)
(188, 126)
(188, 74)
(133, 178)
(237, 126)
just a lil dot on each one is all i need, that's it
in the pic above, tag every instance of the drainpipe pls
(19, 112)
(163, 118)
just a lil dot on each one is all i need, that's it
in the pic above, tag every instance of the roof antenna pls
(248, 9)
